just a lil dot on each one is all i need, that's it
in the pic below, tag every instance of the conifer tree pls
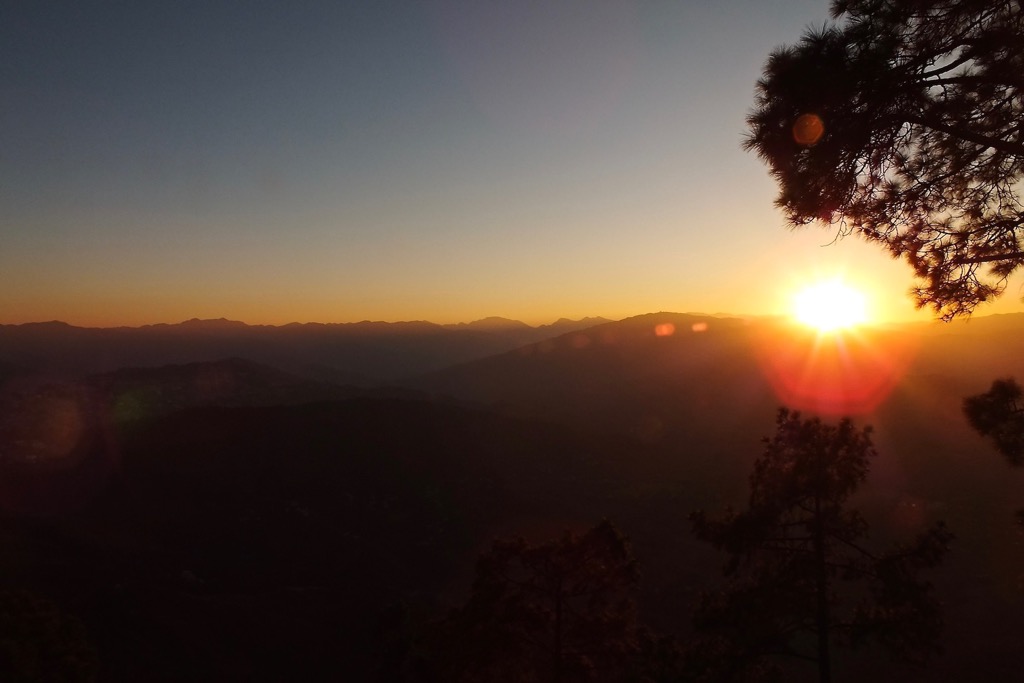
(903, 123)
(801, 577)
(998, 414)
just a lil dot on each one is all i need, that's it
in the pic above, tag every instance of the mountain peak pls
(50, 325)
(491, 323)
(213, 324)
(588, 321)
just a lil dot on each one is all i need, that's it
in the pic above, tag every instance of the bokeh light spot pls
(664, 329)
(808, 129)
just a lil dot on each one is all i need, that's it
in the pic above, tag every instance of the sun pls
(829, 306)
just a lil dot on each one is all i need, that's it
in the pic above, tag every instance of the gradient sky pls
(326, 161)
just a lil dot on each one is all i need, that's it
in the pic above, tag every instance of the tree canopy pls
(801, 575)
(903, 123)
(41, 643)
(557, 611)
(999, 415)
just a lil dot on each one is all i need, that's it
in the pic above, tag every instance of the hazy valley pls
(315, 495)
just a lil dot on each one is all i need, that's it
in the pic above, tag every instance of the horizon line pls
(497, 319)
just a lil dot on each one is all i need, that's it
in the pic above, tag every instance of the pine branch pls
(1011, 256)
(1012, 148)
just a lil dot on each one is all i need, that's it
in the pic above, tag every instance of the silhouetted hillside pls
(669, 368)
(204, 529)
(361, 353)
(654, 376)
(266, 543)
(38, 416)
(136, 392)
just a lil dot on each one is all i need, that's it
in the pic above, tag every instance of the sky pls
(326, 161)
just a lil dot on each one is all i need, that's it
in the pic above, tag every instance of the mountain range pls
(362, 353)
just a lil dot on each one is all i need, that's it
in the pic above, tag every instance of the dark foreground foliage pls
(801, 578)
(558, 611)
(998, 414)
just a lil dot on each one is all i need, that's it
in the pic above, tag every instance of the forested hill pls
(273, 543)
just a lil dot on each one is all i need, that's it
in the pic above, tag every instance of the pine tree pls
(904, 124)
(801, 577)
(998, 414)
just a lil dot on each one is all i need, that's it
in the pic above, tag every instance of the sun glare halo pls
(829, 306)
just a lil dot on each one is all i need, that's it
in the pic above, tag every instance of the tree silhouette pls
(800, 575)
(38, 642)
(904, 124)
(998, 414)
(559, 611)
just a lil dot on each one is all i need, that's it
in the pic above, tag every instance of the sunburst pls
(830, 306)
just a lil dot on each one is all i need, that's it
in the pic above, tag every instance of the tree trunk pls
(821, 596)
(556, 665)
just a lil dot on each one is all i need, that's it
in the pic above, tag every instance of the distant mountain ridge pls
(371, 353)
(631, 376)
(643, 374)
(361, 353)
(560, 326)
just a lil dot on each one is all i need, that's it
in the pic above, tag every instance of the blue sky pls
(329, 161)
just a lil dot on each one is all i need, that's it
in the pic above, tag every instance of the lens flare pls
(845, 373)
(808, 129)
